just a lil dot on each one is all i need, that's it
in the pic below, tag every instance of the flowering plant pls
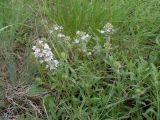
(44, 55)
(107, 30)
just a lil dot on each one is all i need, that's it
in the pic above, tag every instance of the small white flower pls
(56, 63)
(41, 54)
(89, 53)
(60, 35)
(78, 32)
(102, 31)
(40, 42)
(76, 41)
(37, 50)
(85, 37)
(49, 53)
(41, 61)
(46, 59)
(110, 30)
(46, 46)
(34, 47)
(60, 27)
(44, 51)
(56, 28)
(50, 57)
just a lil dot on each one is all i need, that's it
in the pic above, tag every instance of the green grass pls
(119, 81)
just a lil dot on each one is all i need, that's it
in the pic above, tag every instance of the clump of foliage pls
(80, 59)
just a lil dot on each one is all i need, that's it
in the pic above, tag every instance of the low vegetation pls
(79, 59)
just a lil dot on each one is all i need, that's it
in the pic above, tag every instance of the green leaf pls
(49, 102)
(35, 90)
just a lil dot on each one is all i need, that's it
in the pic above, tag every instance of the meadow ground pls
(80, 59)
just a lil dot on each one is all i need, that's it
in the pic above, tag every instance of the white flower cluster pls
(43, 53)
(57, 31)
(56, 28)
(82, 37)
(108, 28)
